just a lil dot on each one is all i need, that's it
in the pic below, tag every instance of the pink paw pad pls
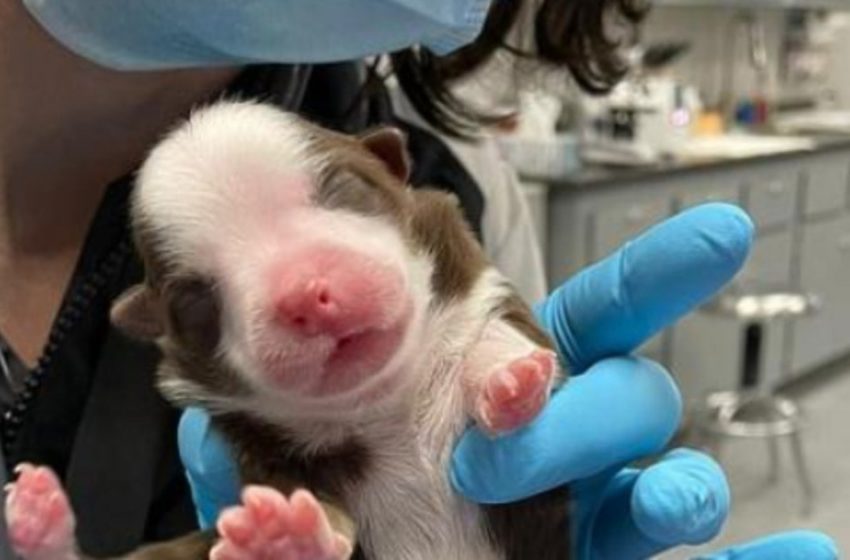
(267, 526)
(40, 520)
(514, 394)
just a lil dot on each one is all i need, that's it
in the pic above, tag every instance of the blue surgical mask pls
(160, 34)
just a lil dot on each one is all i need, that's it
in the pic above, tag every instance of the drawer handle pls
(776, 188)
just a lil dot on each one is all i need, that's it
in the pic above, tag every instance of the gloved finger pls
(794, 545)
(628, 408)
(616, 305)
(210, 469)
(682, 499)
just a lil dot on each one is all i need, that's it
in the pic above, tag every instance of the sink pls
(735, 146)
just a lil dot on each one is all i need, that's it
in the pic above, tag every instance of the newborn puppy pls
(342, 329)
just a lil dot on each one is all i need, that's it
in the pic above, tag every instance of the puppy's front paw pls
(40, 520)
(513, 394)
(267, 526)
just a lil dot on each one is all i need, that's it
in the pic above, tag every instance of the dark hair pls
(568, 34)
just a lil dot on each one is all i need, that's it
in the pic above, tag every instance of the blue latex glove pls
(617, 408)
(209, 464)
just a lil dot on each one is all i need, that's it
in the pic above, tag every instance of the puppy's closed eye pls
(345, 190)
(194, 313)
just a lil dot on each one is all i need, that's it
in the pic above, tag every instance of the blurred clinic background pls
(745, 101)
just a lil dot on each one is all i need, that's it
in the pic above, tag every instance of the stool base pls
(770, 417)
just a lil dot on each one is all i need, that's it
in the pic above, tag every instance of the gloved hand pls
(616, 409)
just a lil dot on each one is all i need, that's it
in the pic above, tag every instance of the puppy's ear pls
(389, 144)
(137, 314)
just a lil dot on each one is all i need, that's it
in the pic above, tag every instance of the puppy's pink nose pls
(309, 307)
(336, 292)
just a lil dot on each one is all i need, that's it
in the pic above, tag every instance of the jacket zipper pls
(13, 417)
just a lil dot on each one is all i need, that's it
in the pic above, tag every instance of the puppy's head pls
(282, 259)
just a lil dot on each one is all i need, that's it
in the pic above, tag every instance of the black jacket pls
(90, 410)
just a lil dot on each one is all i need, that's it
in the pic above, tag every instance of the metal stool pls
(756, 411)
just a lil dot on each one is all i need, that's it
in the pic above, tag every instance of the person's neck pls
(68, 128)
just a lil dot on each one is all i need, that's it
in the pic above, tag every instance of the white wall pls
(708, 29)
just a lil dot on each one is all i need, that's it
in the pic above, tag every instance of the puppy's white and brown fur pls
(208, 222)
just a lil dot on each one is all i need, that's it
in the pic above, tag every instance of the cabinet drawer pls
(825, 271)
(770, 261)
(826, 185)
(615, 225)
(771, 196)
(720, 193)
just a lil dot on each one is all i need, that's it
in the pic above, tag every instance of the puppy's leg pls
(268, 526)
(510, 372)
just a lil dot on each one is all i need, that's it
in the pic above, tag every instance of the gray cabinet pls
(801, 206)
(614, 225)
(706, 356)
(719, 189)
(824, 270)
(771, 193)
(827, 179)
(770, 261)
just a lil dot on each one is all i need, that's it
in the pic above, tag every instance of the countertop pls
(592, 175)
